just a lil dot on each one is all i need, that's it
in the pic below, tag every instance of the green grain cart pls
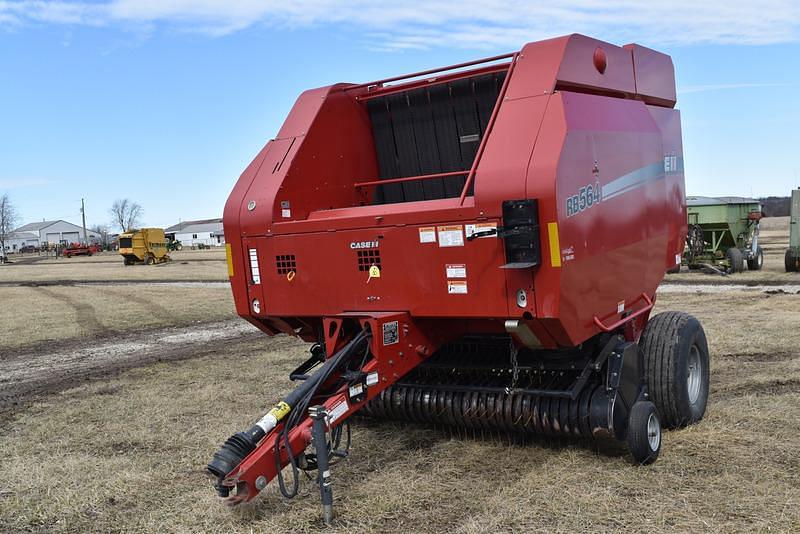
(723, 232)
(792, 258)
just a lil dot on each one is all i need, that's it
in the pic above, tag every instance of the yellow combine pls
(147, 245)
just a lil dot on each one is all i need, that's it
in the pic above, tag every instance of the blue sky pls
(166, 101)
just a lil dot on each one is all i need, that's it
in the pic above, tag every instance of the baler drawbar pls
(477, 246)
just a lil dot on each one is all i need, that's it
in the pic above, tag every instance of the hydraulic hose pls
(295, 405)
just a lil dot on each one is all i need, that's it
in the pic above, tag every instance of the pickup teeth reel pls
(463, 386)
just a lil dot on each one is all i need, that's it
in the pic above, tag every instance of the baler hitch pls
(282, 418)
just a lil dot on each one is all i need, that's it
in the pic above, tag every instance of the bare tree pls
(8, 221)
(126, 214)
(101, 229)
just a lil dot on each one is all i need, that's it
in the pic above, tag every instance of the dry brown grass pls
(127, 454)
(186, 265)
(54, 313)
(780, 224)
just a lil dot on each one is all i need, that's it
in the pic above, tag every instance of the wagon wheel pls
(736, 259)
(149, 260)
(789, 261)
(756, 262)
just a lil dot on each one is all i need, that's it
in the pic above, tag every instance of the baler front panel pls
(429, 271)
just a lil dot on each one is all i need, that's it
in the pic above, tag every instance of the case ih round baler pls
(477, 246)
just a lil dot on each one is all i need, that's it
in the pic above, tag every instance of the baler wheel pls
(789, 261)
(736, 259)
(644, 433)
(756, 263)
(676, 367)
(149, 260)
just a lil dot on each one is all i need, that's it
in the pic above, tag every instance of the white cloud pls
(24, 183)
(435, 23)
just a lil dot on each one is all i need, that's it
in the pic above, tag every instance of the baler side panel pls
(270, 176)
(502, 171)
(334, 152)
(611, 242)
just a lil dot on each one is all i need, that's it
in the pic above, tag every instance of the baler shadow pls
(436, 434)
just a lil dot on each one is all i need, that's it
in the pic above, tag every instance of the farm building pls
(16, 240)
(48, 232)
(190, 233)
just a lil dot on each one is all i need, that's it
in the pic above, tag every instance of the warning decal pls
(456, 270)
(457, 287)
(427, 234)
(338, 411)
(451, 236)
(481, 227)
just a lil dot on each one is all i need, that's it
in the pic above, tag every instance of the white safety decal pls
(620, 306)
(338, 411)
(427, 234)
(451, 236)
(372, 379)
(457, 287)
(456, 270)
(470, 229)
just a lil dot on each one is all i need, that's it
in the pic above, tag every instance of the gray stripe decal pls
(640, 177)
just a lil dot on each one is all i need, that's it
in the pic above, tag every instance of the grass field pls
(60, 312)
(126, 451)
(186, 265)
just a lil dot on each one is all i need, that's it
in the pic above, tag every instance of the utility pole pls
(83, 216)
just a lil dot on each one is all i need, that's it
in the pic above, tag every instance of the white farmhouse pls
(191, 233)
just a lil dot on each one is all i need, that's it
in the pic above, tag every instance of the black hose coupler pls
(235, 449)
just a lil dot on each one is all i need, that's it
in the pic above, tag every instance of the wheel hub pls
(694, 377)
(653, 432)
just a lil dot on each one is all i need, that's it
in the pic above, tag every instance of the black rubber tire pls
(642, 422)
(674, 270)
(666, 344)
(149, 260)
(736, 259)
(789, 261)
(756, 263)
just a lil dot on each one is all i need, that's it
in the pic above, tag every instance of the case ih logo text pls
(363, 244)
